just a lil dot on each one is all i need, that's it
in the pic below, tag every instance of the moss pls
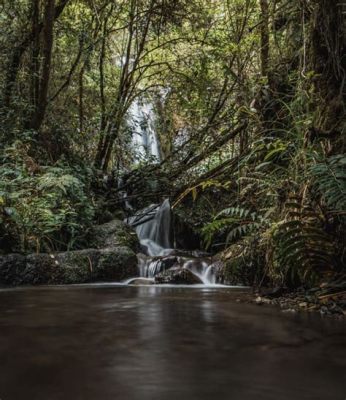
(90, 265)
(78, 266)
(116, 264)
(12, 267)
(115, 233)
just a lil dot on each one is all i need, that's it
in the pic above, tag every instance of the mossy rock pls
(12, 267)
(114, 234)
(77, 266)
(240, 271)
(41, 269)
(116, 264)
(177, 276)
(82, 266)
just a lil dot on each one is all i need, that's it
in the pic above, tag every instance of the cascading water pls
(141, 119)
(154, 224)
(154, 229)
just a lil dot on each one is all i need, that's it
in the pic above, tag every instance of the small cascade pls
(154, 229)
(202, 268)
(209, 277)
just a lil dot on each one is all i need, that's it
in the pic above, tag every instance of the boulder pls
(78, 266)
(113, 234)
(116, 264)
(12, 267)
(177, 276)
(91, 265)
(41, 269)
(141, 282)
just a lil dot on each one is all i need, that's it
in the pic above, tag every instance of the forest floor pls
(328, 300)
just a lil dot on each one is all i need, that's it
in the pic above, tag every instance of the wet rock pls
(289, 310)
(218, 271)
(11, 269)
(276, 292)
(116, 264)
(82, 266)
(237, 271)
(78, 266)
(41, 269)
(141, 282)
(113, 234)
(177, 276)
(262, 300)
(165, 263)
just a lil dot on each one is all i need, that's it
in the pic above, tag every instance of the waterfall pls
(141, 120)
(153, 225)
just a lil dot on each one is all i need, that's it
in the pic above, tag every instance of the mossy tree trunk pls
(328, 61)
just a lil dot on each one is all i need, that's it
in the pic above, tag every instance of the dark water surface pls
(154, 343)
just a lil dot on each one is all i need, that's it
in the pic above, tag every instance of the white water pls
(153, 225)
(141, 119)
(154, 229)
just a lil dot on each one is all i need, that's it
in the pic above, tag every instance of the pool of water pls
(163, 343)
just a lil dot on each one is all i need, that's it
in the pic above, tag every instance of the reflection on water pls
(159, 343)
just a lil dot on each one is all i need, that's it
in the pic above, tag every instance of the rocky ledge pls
(112, 259)
(176, 275)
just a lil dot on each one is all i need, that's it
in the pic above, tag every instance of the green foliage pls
(42, 210)
(236, 222)
(303, 248)
(329, 181)
(199, 65)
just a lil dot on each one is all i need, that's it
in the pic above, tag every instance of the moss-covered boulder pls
(12, 267)
(237, 271)
(116, 264)
(41, 269)
(113, 234)
(91, 265)
(78, 266)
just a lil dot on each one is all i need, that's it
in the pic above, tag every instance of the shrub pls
(42, 208)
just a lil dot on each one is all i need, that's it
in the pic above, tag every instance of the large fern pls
(329, 180)
(235, 222)
(302, 246)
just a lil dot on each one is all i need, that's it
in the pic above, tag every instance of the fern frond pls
(329, 181)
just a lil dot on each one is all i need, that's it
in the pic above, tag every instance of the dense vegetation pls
(249, 97)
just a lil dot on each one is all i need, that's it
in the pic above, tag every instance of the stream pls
(111, 342)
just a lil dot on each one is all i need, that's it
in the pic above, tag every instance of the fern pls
(43, 210)
(329, 180)
(237, 222)
(303, 248)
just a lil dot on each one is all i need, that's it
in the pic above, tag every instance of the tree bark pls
(328, 61)
(35, 62)
(264, 37)
(81, 100)
(48, 38)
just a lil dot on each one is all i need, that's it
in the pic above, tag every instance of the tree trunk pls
(264, 37)
(18, 52)
(328, 61)
(48, 37)
(35, 62)
(81, 101)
